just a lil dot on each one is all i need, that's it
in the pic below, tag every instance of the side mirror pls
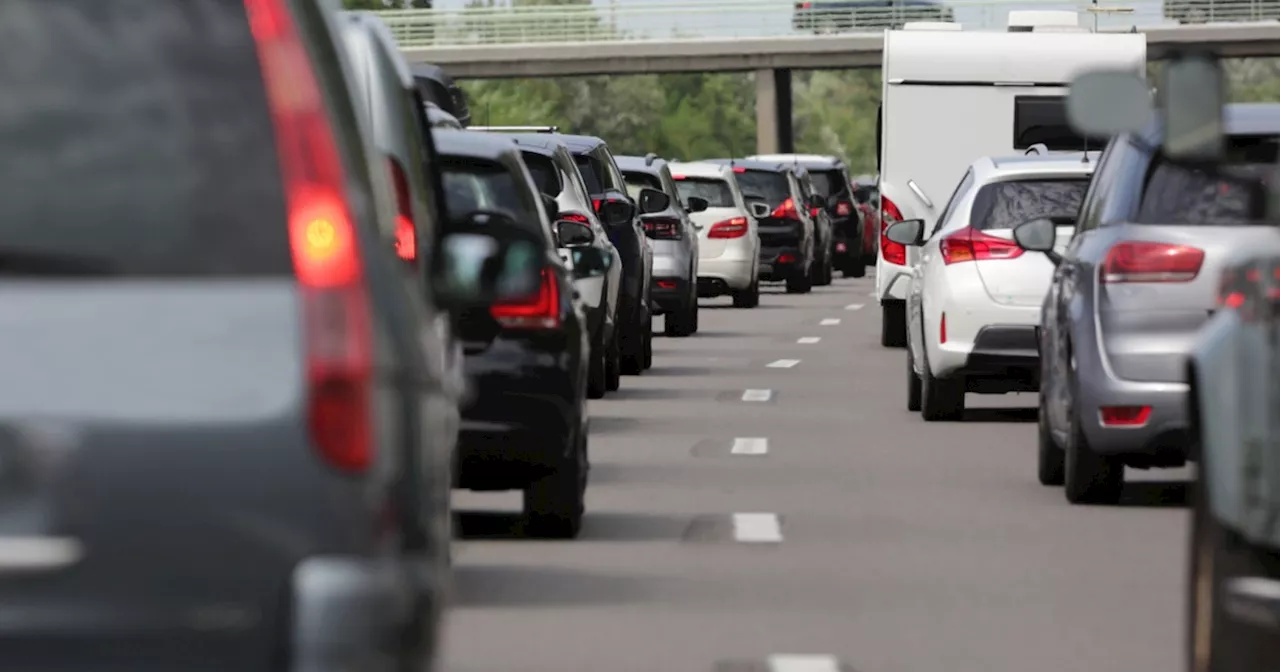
(758, 210)
(1038, 235)
(816, 201)
(652, 200)
(1194, 90)
(483, 258)
(617, 212)
(570, 233)
(1109, 102)
(590, 262)
(909, 232)
(696, 204)
(550, 205)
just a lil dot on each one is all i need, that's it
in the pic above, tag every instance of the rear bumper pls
(1004, 358)
(1164, 440)
(729, 273)
(669, 294)
(780, 263)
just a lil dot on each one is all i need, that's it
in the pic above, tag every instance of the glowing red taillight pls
(406, 233)
(843, 209)
(1142, 261)
(729, 228)
(1124, 416)
(540, 312)
(574, 217)
(893, 253)
(786, 211)
(970, 244)
(337, 324)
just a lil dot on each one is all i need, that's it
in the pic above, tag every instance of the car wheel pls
(648, 343)
(799, 283)
(855, 267)
(554, 505)
(682, 322)
(1050, 458)
(940, 398)
(633, 350)
(893, 325)
(613, 365)
(749, 297)
(913, 384)
(1088, 478)
(597, 371)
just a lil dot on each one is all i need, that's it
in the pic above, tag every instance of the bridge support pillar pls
(773, 112)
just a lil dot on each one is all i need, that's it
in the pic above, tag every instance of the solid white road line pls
(830, 321)
(808, 340)
(750, 446)
(757, 395)
(803, 663)
(757, 528)
(783, 363)
(854, 306)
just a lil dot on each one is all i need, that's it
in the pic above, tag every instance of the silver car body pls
(734, 261)
(671, 258)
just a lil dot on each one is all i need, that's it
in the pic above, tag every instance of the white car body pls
(1000, 81)
(733, 261)
(1005, 295)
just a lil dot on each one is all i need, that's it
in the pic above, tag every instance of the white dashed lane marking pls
(757, 395)
(803, 663)
(808, 340)
(830, 321)
(750, 446)
(783, 363)
(854, 306)
(757, 528)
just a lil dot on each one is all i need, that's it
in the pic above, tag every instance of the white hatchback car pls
(728, 240)
(974, 298)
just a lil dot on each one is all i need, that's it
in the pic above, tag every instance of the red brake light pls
(893, 253)
(406, 235)
(843, 208)
(813, 212)
(729, 228)
(1141, 261)
(540, 312)
(739, 170)
(335, 311)
(677, 177)
(942, 329)
(574, 217)
(1124, 416)
(786, 211)
(595, 204)
(662, 228)
(969, 244)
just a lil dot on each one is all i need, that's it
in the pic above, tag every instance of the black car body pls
(555, 174)
(830, 180)
(524, 425)
(609, 192)
(788, 236)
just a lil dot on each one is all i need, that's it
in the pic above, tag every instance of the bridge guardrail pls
(710, 19)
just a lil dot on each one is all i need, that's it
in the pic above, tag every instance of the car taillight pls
(739, 170)
(729, 228)
(677, 177)
(969, 244)
(336, 317)
(540, 312)
(662, 228)
(406, 236)
(1141, 261)
(893, 253)
(1123, 416)
(813, 212)
(574, 217)
(843, 209)
(786, 211)
(595, 204)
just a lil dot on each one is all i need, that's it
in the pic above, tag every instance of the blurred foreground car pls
(674, 239)
(728, 229)
(229, 430)
(525, 425)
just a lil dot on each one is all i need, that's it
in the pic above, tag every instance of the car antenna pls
(1085, 157)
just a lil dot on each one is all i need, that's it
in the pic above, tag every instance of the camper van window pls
(1043, 119)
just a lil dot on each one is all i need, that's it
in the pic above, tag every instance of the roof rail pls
(650, 158)
(515, 129)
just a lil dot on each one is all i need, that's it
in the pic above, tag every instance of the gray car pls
(1136, 282)
(674, 238)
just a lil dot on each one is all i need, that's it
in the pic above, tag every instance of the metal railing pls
(711, 19)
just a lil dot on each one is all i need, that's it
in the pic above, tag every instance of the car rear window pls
(828, 183)
(544, 173)
(773, 187)
(1184, 196)
(473, 185)
(592, 172)
(1004, 205)
(147, 156)
(717, 192)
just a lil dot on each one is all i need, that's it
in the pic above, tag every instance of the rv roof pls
(1042, 57)
(931, 25)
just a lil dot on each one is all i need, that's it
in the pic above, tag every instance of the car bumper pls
(892, 281)
(780, 263)
(669, 294)
(725, 273)
(1163, 440)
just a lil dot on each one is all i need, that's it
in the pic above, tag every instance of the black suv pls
(830, 179)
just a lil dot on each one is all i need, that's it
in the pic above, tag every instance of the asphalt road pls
(871, 541)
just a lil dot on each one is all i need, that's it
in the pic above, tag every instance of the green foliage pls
(386, 4)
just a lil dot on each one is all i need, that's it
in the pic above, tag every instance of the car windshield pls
(1185, 196)
(717, 192)
(470, 186)
(1004, 205)
(771, 186)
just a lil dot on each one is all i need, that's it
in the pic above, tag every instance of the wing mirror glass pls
(696, 204)
(816, 201)
(571, 234)
(590, 261)
(1039, 235)
(909, 232)
(652, 200)
(758, 209)
(483, 258)
(617, 212)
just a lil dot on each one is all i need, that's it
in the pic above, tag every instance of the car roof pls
(810, 161)
(640, 164)
(700, 169)
(579, 143)
(492, 146)
(770, 166)
(988, 169)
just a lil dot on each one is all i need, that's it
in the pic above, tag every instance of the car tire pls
(1050, 458)
(682, 322)
(613, 365)
(855, 268)
(913, 384)
(749, 297)
(799, 283)
(597, 372)
(940, 398)
(633, 350)
(647, 354)
(554, 505)
(1088, 478)
(893, 325)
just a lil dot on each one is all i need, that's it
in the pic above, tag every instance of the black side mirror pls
(759, 209)
(816, 201)
(696, 204)
(652, 200)
(1038, 235)
(617, 212)
(909, 232)
(571, 234)
(483, 258)
(590, 262)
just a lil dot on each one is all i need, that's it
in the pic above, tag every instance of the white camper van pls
(951, 97)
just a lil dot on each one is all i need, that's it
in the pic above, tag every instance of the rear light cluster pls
(813, 212)
(1124, 416)
(336, 316)
(1141, 261)
(893, 253)
(574, 217)
(969, 244)
(662, 228)
(406, 235)
(843, 209)
(540, 312)
(786, 211)
(729, 228)
(739, 170)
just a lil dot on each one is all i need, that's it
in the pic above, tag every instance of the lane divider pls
(783, 364)
(757, 528)
(829, 322)
(757, 395)
(803, 663)
(808, 340)
(750, 446)
(854, 306)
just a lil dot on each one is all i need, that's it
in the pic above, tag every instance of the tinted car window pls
(156, 160)
(1180, 195)
(471, 186)
(638, 181)
(1004, 205)
(865, 194)
(592, 171)
(544, 173)
(774, 187)
(717, 192)
(828, 183)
